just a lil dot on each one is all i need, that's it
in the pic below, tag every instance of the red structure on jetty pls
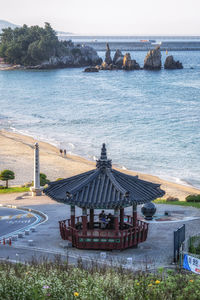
(109, 189)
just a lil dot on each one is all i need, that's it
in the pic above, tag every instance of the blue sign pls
(191, 263)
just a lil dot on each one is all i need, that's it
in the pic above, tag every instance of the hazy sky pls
(107, 16)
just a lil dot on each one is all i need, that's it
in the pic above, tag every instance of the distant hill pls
(5, 24)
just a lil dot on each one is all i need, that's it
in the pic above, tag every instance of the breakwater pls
(131, 43)
(145, 46)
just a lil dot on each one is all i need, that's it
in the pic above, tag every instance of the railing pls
(103, 238)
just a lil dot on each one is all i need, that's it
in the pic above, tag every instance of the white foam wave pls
(71, 145)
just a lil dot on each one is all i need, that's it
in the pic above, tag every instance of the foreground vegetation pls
(60, 281)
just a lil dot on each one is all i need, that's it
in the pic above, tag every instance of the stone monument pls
(36, 189)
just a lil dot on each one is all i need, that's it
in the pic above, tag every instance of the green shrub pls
(43, 179)
(193, 198)
(192, 249)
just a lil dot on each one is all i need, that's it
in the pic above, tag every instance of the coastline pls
(16, 153)
(8, 67)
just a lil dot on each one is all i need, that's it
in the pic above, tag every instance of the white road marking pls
(16, 216)
(18, 222)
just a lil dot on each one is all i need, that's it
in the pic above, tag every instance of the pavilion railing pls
(104, 238)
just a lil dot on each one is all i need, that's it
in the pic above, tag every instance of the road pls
(13, 220)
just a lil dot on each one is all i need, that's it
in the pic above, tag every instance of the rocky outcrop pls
(91, 69)
(171, 64)
(76, 56)
(129, 64)
(118, 59)
(108, 58)
(152, 60)
(104, 66)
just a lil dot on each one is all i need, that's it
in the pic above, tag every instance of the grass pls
(182, 203)
(61, 281)
(14, 190)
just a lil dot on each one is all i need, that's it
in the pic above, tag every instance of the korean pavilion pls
(107, 189)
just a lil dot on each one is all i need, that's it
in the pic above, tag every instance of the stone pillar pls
(121, 217)
(116, 219)
(134, 214)
(72, 216)
(84, 220)
(36, 189)
(91, 218)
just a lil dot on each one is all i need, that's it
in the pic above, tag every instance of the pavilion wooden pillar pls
(116, 219)
(72, 216)
(121, 217)
(84, 220)
(134, 214)
(91, 218)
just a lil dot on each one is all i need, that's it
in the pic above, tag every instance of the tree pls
(30, 45)
(6, 175)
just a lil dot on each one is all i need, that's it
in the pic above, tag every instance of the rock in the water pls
(73, 56)
(152, 60)
(104, 66)
(108, 58)
(91, 69)
(119, 62)
(129, 64)
(171, 64)
(118, 58)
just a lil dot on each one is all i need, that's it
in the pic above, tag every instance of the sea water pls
(149, 120)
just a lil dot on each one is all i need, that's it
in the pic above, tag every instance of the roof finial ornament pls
(103, 152)
(103, 162)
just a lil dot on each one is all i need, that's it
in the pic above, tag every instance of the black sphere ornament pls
(148, 210)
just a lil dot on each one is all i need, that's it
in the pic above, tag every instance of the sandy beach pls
(16, 153)
(8, 67)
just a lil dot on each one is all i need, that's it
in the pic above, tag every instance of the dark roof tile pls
(103, 188)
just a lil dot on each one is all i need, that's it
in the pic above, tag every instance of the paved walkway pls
(156, 251)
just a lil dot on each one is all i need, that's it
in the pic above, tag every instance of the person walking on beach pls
(65, 153)
(61, 152)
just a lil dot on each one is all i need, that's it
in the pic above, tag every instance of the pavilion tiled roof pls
(103, 188)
